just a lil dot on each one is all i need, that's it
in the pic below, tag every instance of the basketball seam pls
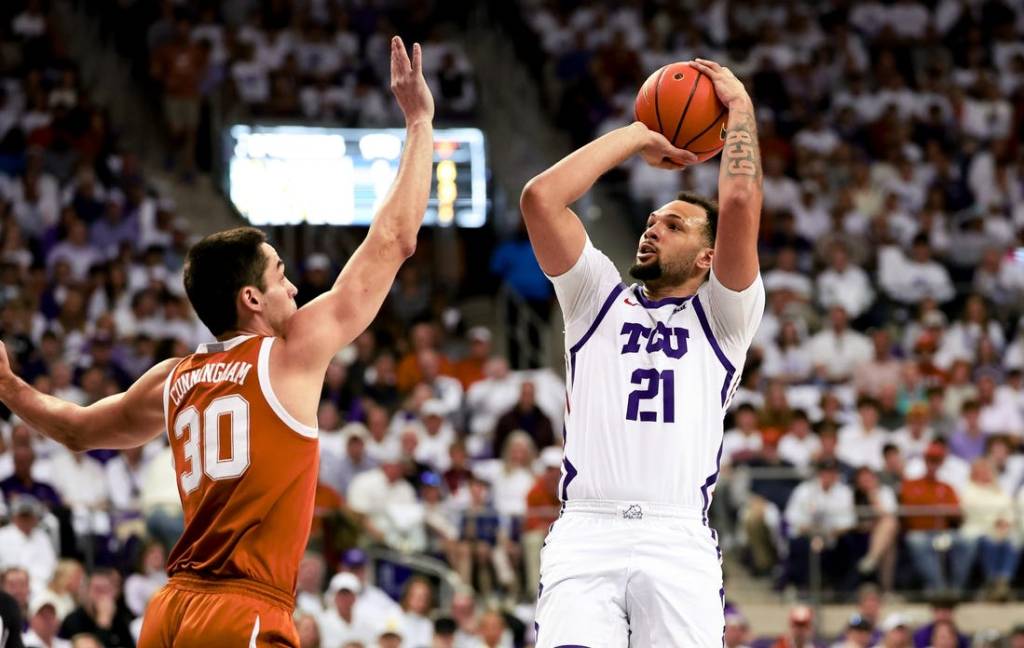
(657, 110)
(686, 108)
(701, 134)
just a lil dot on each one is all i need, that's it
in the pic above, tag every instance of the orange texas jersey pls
(246, 469)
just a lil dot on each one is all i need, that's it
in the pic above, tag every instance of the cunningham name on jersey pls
(648, 384)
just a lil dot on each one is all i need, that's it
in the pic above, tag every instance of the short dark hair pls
(710, 206)
(219, 266)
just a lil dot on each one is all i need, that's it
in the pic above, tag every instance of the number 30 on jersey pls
(202, 441)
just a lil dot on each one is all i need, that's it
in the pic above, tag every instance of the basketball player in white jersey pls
(650, 371)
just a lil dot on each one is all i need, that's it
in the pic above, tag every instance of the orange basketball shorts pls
(190, 612)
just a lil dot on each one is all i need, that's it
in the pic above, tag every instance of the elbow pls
(406, 246)
(737, 200)
(534, 195)
(72, 439)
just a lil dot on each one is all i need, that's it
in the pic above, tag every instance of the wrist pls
(740, 103)
(425, 121)
(639, 133)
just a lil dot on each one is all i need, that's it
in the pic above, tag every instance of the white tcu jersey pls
(648, 384)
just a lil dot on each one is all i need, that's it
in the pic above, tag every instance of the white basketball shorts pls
(636, 575)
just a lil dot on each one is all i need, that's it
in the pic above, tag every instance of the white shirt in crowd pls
(33, 552)
(797, 451)
(736, 441)
(911, 446)
(859, 447)
(840, 352)
(850, 289)
(811, 507)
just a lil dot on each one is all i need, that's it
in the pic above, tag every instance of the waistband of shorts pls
(246, 587)
(632, 510)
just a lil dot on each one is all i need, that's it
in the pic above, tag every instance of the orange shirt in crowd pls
(542, 507)
(409, 374)
(929, 492)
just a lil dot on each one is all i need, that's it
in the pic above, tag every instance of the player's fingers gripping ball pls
(679, 102)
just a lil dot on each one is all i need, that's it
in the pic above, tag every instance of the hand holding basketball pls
(728, 88)
(408, 84)
(659, 152)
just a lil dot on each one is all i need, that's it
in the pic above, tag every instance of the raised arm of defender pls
(735, 262)
(321, 328)
(555, 231)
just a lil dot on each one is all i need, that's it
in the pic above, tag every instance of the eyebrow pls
(667, 214)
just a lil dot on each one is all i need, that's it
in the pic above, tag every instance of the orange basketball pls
(679, 102)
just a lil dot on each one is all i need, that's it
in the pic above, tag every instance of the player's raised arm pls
(318, 330)
(555, 231)
(735, 262)
(125, 420)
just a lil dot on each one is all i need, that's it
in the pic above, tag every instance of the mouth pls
(646, 252)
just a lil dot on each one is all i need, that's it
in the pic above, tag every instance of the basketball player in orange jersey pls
(240, 413)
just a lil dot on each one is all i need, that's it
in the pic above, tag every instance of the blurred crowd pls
(321, 60)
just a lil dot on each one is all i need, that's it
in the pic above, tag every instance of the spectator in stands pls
(179, 66)
(988, 528)
(310, 584)
(480, 560)
(997, 415)
(443, 388)
(472, 368)
(372, 604)
(882, 371)
(821, 507)
(22, 482)
(140, 586)
(876, 520)
(339, 471)
(940, 517)
(43, 623)
(916, 434)
(858, 633)
(527, 416)
(416, 604)
(952, 469)
(837, 348)
(800, 633)
(16, 583)
(895, 632)
(788, 357)
(737, 630)
(99, 614)
(542, 508)
(387, 506)
(489, 399)
(23, 543)
(161, 505)
(342, 623)
(799, 445)
(943, 608)
(860, 443)
(436, 435)
(308, 630)
(410, 372)
(66, 586)
(918, 277)
(968, 441)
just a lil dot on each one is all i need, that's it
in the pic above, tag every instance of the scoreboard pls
(286, 175)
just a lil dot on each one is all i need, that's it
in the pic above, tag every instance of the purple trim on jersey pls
(593, 327)
(729, 368)
(709, 482)
(721, 594)
(570, 474)
(667, 301)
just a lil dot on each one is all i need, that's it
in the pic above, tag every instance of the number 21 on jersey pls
(202, 440)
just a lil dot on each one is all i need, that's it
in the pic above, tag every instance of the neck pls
(257, 327)
(655, 290)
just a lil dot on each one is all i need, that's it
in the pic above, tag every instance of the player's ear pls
(704, 258)
(250, 299)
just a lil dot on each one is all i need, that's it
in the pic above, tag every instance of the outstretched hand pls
(408, 84)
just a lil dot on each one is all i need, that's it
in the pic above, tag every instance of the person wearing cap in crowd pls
(801, 630)
(440, 516)
(380, 496)
(23, 543)
(436, 435)
(542, 506)
(951, 469)
(857, 634)
(43, 623)
(470, 370)
(338, 471)
(342, 622)
(390, 637)
(940, 518)
(895, 632)
(820, 507)
(372, 604)
(737, 630)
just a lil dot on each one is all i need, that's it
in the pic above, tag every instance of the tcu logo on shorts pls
(670, 341)
(633, 512)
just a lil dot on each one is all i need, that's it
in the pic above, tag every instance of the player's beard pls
(656, 273)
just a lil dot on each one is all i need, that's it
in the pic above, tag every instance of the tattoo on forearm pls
(742, 153)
